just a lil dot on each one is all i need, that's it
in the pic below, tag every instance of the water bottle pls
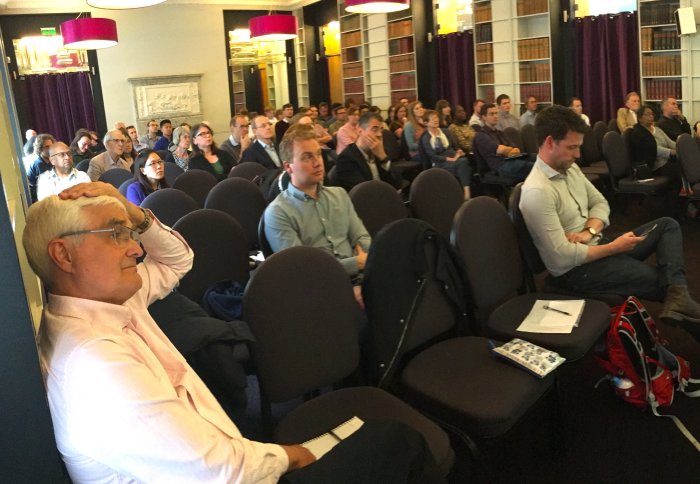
(622, 383)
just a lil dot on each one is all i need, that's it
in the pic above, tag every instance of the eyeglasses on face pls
(62, 154)
(119, 140)
(121, 234)
(203, 133)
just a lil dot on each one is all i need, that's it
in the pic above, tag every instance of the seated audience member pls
(80, 146)
(119, 125)
(129, 154)
(239, 139)
(96, 146)
(493, 148)
(672, 121)
(262, 150)
(442, 152)
(324, 113)
(164, 142)
(322, 135)
(283, 125)
(475, 119)
(308, 213)
(125, 403)
(627, 115)
(340, 115)
(390, 114)
(505, 119)
(63, 174)
(365, 159)
(180, 154)
(528, 117)
(149, 176)
(413, 129)
(444, 111)
(577, 106)
(350, 131)
(206, 155)
(650, 147)
(566, 215)
(134, 136)
(398, 120)
(114, 141)
(462, 132)
(42, 144)
(151, 136)
(363, 108)
(269, 111)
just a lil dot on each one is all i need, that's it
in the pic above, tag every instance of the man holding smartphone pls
(566, 214)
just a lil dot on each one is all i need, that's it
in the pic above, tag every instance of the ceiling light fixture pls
(89, 33)
(376, 6)
(273, 27)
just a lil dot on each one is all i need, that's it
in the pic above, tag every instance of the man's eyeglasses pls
(120, 141)
(62, 154)
(155, 162)
(121, 234)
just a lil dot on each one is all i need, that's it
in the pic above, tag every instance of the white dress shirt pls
(125, 405)
(49, 183)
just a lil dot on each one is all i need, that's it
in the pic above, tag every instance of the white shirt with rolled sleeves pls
(126, 406)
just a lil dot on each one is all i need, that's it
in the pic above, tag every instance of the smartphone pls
(647, 231)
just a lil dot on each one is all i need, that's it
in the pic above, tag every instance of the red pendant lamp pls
(122, 4)
(375, 6)
(273, 27)
(89, 33)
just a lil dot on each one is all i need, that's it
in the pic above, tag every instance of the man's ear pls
(287, 166)
(60, 255)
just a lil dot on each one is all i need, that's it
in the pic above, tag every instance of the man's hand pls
(513, 152)
(372, 144)
(245, 142)
(298, 456)
(361, 257)
(582, 237)
(626, 242)
(96, 189)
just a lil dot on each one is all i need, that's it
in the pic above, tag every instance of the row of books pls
(533, 48)
(352, 54)
(531, 7)
(661, 65)
(483, 33)
(543, 92)
(534, 72)
(401, 46)
(400, 29)
(662, 88)
(482, 13)
(485, 75)
(351, 39)
(403, 81)
(353, 70)
(652, 39)
(484, 53)
(351, 22)
(402, 63)
(354, 86)
(657, 14)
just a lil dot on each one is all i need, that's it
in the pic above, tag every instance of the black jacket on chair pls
(352, 169)
(256, 153)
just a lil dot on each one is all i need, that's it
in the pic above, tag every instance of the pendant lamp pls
(89, 33)
(375, 6)
(122, 4)
(273, 27)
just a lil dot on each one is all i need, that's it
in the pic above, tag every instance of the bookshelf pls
(402, 56)
(301, 62)
(534, 51)
(660, 51)
(238, 88)
(352, 58)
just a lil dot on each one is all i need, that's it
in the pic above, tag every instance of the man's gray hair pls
(109, 135)
(39, 142)
(367, 117)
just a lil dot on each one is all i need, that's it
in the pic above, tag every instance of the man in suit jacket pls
(626, 116)
(365, 159)
(239, 141)
(262, 150)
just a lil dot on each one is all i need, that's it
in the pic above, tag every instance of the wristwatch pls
(147, 221)
(593, 232)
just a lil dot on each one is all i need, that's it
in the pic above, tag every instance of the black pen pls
(556, 310)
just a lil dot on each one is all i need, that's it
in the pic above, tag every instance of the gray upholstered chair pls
(169, 205)
(377, 203)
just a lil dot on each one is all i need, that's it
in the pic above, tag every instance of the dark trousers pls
(628, 274)
(517, 169)
(380, 452)
(460, 167)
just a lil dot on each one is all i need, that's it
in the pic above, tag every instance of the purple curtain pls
(456, 68)
(60, 104)
(607, 63)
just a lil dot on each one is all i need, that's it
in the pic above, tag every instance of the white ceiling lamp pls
(122, 4)
(375, 6)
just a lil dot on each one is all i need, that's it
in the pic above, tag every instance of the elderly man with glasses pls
(112, 158)
(63, 174)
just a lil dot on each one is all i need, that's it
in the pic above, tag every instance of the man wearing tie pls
(263, 149)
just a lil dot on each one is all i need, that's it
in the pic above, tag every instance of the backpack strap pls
(684, 430)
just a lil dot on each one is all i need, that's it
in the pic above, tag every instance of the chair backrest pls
(377, 203)
(612, 126)
(83, 165)
(435, 197)
(265, 246)
(116, 176)
(302, 312)
(529, 135)
(248, 169)
(615, 155)
(242, 200)
(689, 158)
(530, 254)
(392, 148)
(220, 251)
(333, 177)
(125, 185)
(163, 154)
(589, 149)
(599, 130)
(627, 142)
(485, 238)
(172, 171)
(513, 135)
(422, 154)
(169, 205)
(197, 184)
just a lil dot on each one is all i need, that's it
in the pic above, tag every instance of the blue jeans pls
(518, 170)
(460, 168)
(627, 274)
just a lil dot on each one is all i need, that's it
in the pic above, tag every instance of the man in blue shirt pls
(42, 143)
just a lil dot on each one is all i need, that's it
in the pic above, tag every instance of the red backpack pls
(641, 369)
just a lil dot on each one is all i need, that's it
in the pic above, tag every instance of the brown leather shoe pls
(679, 306)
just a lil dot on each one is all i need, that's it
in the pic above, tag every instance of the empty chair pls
(528, 133)
(249, 170)
(169, 205)
(242, 200)
(407, 168)
(197, 184)
(599, 129)
(302, 312)
(435, 197)
(612, 126)
(591, 157)
(377, 203)
(485, 238)
(116, 176)
(513, 135)
(220, 251)
(172, 171)
(688, 155)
